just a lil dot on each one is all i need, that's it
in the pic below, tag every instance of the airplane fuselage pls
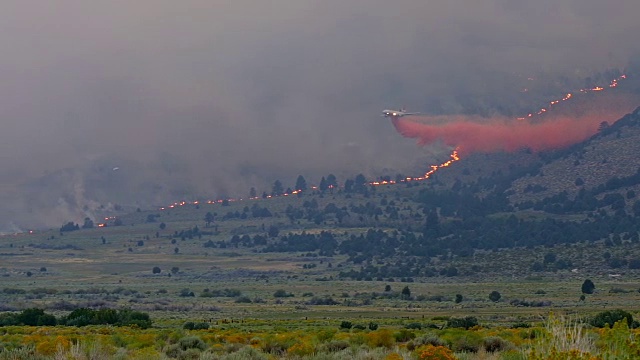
(396, 113)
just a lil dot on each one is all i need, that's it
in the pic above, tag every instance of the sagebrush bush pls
(494, 344)
(192, 342)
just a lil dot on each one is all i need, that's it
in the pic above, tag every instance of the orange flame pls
(612, 84)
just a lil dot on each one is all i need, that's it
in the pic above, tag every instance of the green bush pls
(335, 346)
(192, 342)
(466, 323)
(611, 317)
(496, 344)
(468, 342)
(521, 325)
(346, 325)
(35, 317)
(404, 335)
(281, 293)
(201, 326)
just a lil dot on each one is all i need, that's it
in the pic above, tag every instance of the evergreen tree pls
(208, 219)
(348, 185)
(432, 225)
(301, 183)
(406, 293)
(277, 188)
(323, 184)
(332, 181)
(588, 287)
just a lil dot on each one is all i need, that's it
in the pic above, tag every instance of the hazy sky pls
(217, 96)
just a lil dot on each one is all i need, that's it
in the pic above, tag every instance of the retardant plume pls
(476, 134)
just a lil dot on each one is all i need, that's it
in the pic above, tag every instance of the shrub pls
(281, 293)
(35, 317)
(346, 325)
(246, 353)
(186, 293)
(404, 335)
(335, 346)
(300, 349)
(189, 325)
(8, 319)
(465, 323)
(201, 326)
(469, 342)
(380, 338)
(430, 352)
(494, 343)
(192, 342)
(611, 317)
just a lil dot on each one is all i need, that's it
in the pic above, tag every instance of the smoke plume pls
(206, 99)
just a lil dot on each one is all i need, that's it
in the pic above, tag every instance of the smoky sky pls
(213, 97)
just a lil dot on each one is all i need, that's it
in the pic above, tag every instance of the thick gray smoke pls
(213, 97)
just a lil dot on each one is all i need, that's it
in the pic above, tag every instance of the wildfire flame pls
(453, 158)
(433, 168)
(612, 84)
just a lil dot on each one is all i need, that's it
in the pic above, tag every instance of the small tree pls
(301, 183)
(156, 270)
(281, 293)
(406, 293)
(277, 189)
(323, 184)
(208, 219)
(458, 298)
(88, 223)
(495, 296)
(588, 287)
(273, 231)
(332, 182)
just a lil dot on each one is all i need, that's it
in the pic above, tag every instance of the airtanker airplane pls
(397, 113)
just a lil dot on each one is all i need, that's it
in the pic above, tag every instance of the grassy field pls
(176, 279)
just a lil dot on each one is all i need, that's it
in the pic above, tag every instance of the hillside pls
(433, 228)
(466, 231)
(612, 153)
